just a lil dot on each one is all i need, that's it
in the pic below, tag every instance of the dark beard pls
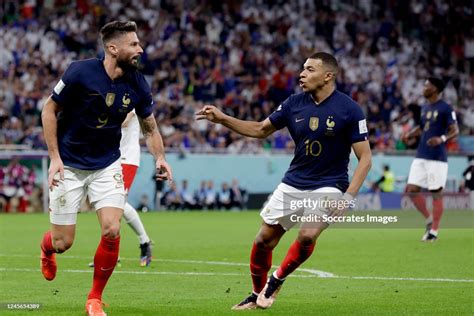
(127, 66)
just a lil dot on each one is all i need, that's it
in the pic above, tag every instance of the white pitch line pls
(312, 272)
(404, 279)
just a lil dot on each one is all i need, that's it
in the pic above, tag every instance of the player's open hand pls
(210, 113)
(55, 173)
(337, 212)
(163, 171)
(434, 141)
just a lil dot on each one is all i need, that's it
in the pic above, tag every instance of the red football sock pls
(8, 207)
(420, 203)
(260, 264)
(22, 205)
(437, 212)
(297, 254)
(105, 260)
(47, 244)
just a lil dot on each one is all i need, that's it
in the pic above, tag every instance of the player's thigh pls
(65, 199)
(279, 208)
(309, 232)
(129, 172)
(418, 173)
(437, 174)
(105, 187)
(269, 235)
(324, 200)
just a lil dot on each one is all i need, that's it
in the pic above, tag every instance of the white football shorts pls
(286, 204)
(428, 174)
(104, 188)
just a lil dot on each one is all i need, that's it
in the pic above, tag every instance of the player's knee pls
(266, 242)
(62, 244)
(308, 238)
(412, 189)
(111, 230)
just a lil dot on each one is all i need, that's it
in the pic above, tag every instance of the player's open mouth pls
(301, 83)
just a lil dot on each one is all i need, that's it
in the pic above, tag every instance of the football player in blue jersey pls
(82, 127)
(325, 125)
(429, 170)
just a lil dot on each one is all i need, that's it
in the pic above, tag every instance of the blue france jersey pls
(323, 134)
(435, 119)
(93, 109)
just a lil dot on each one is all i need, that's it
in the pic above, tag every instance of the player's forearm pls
(414, 132)
(245, 128)
(50, 127)
(153, 139)
(363, 167)
(453, 131)
(154, 142)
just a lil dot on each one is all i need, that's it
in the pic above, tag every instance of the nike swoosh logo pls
(299, 120)
(102, 269)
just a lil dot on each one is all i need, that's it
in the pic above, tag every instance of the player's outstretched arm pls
(50, 127)
(246, 128)
(414, 132)
(364, 155)
(155, 145)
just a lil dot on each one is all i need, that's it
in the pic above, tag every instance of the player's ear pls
(112, 49)
(329, 76)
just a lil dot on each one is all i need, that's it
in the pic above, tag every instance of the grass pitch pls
(201, 268)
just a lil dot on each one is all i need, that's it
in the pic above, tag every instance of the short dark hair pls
(438, 83)
(327, 59)
(115, 29)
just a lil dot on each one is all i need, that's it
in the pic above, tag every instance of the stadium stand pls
(245, 57)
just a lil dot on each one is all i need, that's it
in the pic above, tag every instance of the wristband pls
(443, 138)
(348, 197)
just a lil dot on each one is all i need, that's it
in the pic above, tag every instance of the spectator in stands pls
(223, 52)
(210, 201)
(224, 197)
(187, 197)
(172, 198)
(237, 195)
(200, 196)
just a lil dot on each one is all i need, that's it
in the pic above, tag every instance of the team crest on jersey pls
(110, 98)
(428, 115)
(313, 123)
(435, 114)
(125, 100)
(330, 123)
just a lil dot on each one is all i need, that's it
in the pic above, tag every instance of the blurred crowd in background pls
(244, 57)
(18, 188)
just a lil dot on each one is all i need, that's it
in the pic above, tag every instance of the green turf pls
(174, 285)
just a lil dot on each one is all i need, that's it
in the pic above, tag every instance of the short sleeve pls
(145, 108)
(279, 118)
(64, 90)
(450, 115)
(358, 125)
